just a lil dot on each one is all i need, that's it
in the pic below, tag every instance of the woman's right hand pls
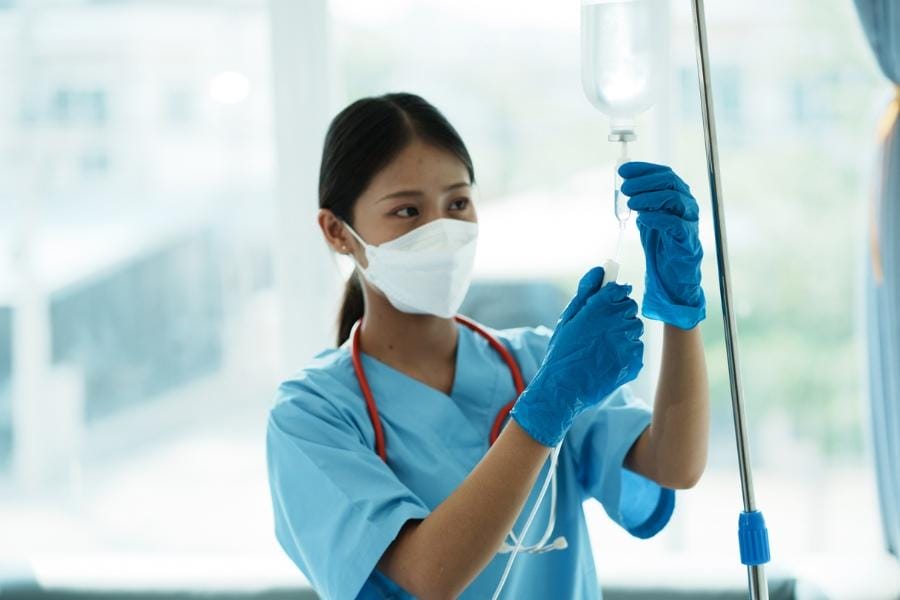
(595, 348)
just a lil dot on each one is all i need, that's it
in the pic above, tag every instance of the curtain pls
(881, 22)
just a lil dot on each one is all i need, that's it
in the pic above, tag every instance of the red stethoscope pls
(512, 544)
(370, 401)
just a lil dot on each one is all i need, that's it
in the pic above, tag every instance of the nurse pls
(401, 460)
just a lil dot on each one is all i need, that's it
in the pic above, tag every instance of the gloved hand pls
(595, 348)
(668, 224)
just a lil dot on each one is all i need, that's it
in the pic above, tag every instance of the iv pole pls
(752, 535)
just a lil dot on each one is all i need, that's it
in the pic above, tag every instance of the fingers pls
(612, 293)
(636, 363)
(647, 177)
(613, 298)
(589, 284)
(636, 331)
(618, 298)
(630, 308)
(615, 301)
(630, 361)
(680, 229)
(636, 168)
(671, 201)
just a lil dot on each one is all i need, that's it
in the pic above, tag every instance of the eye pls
(460, 204)
(410, 211)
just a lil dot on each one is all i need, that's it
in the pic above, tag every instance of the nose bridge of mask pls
(436, 235)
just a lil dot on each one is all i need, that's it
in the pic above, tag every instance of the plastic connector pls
(754, 538)
(610, 271)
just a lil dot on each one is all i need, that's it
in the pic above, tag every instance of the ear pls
(336, 235)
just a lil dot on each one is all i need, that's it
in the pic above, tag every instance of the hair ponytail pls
(352, 307)
(363, 139)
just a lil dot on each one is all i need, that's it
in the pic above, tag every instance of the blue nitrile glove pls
(668, 224)
(595, 348)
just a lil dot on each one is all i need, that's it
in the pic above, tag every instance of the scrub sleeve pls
(337, 505)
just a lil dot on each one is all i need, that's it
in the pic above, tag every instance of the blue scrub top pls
(338, 506)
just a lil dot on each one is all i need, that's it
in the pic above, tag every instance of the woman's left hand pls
(668, 225)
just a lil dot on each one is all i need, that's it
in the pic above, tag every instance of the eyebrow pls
(403, 193)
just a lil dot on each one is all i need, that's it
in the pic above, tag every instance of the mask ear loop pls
(365, 246)
(356, 235)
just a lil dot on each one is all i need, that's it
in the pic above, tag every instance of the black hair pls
(363, 139)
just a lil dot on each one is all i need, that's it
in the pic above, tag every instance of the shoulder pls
(325, 389)
(329, 365)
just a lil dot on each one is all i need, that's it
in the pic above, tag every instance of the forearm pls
(679, 431)
(440, 555)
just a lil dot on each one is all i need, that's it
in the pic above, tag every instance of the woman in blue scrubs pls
(400, 460)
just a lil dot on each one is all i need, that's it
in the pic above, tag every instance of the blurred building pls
(135, 134)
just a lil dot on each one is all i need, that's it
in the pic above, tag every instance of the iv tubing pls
(622, 215)
(537, 505)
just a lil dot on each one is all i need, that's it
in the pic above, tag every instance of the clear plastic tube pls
(620, 200)
(537, 504)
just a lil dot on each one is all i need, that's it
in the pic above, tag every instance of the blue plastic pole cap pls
(754, 538)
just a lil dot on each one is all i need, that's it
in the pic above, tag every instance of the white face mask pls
(425, 271)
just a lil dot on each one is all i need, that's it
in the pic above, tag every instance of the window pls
(78, 107)
(155, 328)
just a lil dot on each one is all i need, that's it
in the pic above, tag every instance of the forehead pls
(419, 165)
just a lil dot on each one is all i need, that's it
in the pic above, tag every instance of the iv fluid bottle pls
(621, 55)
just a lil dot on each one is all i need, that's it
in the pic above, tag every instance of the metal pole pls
(752, 533)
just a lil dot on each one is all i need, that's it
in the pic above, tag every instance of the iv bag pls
(621, 56)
